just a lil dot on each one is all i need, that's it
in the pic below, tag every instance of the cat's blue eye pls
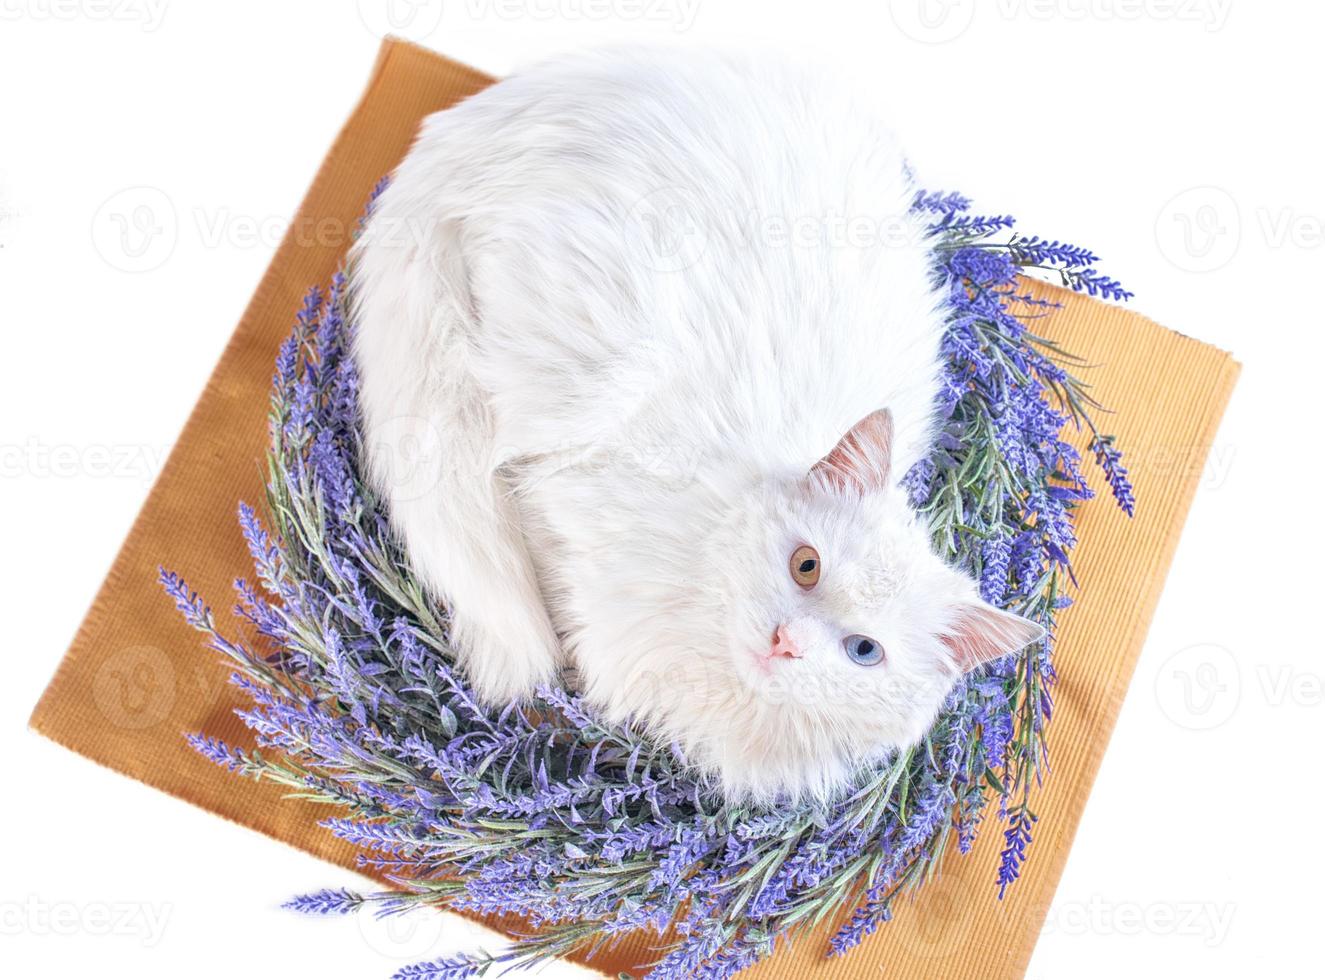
(863, 650)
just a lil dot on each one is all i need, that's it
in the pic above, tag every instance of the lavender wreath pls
(590, 831)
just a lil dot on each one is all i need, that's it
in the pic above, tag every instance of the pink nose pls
(783, 646)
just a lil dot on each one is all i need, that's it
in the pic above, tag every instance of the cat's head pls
(841, 631)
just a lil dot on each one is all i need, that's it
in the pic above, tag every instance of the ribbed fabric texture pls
(135, 676)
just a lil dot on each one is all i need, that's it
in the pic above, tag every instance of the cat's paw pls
(506, 661)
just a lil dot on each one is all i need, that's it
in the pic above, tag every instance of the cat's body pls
(611, 312)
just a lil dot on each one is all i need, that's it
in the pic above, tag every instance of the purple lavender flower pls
(451, 968)
(331, 901)
(1016, 839)
(1110, 461)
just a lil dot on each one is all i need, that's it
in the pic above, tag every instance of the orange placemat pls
(134, 677)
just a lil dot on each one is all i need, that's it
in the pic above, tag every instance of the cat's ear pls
(980, 633)
(862, 458)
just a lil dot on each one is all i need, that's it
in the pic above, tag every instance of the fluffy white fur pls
(600, 358)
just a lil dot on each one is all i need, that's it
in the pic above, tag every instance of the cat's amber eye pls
(805, 566)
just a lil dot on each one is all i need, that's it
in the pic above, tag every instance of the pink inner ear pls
(981, 633)
(862, 458)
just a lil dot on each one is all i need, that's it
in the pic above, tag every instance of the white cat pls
(647, 340)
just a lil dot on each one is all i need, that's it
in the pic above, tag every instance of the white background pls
(1182, 140)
